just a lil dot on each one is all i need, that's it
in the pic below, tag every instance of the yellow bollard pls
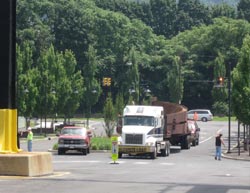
(8, 131)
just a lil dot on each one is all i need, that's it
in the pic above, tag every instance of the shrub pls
(220, 108)
(94, 147)
(101, 143)
(55, 146)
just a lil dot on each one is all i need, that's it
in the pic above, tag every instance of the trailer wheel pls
(194, 142)
(197, 141)
(166, 151)
(185, 144)
(153, 155)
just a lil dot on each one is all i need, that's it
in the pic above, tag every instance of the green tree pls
(26, 76)
(91, 84)
(164, 15)
(175, 81)
(191, 13)
(33, 19)
(223, 10)
(59, 84)
(203, 45)
(134, 78)
(109, 116)
(219, 92)
(70, 84)
(73, 27)
(46, 83)
(119, 104)
(241, 84)
(243, 9)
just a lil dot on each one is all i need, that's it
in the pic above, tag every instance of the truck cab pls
(142, 131)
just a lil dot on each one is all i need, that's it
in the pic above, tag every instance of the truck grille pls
(72, 141)
(134, 139)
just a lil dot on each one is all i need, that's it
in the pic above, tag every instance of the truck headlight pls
(60, 141)
(149, 143)
(119, 142)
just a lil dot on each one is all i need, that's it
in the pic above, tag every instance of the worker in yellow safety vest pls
(29, 139)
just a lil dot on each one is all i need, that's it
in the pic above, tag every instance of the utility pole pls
(8, 107)
(229, 108)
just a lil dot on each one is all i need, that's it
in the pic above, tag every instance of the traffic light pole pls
(229, 108)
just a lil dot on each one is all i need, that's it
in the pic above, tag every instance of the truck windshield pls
(73, 131)
(139, 120)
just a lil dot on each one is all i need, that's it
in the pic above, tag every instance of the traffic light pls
(220, 80)
(106, 81)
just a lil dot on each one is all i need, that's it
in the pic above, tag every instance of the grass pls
(100, 143)
(217, 118)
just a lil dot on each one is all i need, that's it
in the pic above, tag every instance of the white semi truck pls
(151, 130)
(142, 131)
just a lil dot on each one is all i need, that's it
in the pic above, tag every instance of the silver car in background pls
(203, 114)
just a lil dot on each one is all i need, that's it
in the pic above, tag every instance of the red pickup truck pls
(74, 138)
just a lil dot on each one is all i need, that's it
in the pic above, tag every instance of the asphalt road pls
(190, 171)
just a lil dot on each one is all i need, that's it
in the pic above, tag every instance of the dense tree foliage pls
(244, 9)
(175, 48)
(241, 86)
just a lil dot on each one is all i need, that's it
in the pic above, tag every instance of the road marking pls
(118, 162)
(141, 163)
(56, 174)
(206, 139)
(82, 161)
(168, 164)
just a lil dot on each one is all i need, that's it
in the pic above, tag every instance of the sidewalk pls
(234, 153)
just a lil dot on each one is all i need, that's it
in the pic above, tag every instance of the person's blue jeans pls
(218, 152)
(29, 145)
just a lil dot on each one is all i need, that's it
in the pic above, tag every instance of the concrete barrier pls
(26, 164)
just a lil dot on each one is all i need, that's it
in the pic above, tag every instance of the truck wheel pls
(194, 142)
(185, 144)
(166, 151)
(119, 155)
(61, 152)
(197, 141)
(84, 151)
(154, 154)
